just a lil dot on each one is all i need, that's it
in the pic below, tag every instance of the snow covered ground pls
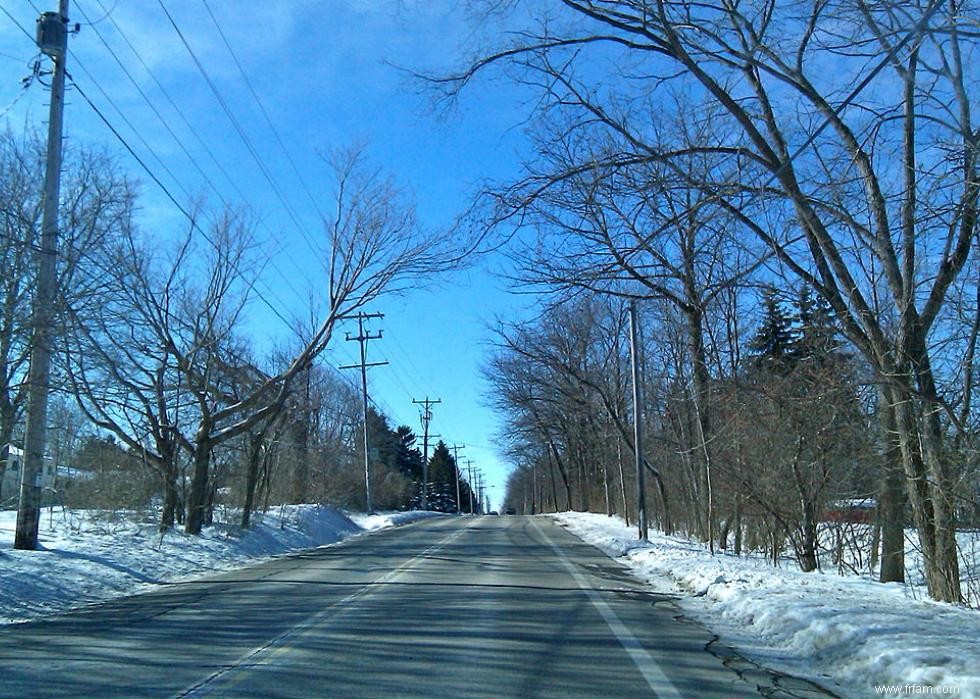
(90, 556)
(850, 634)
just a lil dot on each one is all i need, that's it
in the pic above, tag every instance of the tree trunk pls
(198, 496)
(808, 549)
(622, 480)
(564, 475)
(702, 389)
(605, 490)
(930, 495)
(891, 498)
(171, 497)
(251, 479)
(723, 532)
(737, 545)
(6, 434)
(668, 525)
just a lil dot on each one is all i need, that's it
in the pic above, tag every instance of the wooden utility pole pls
(426, 416)
(485, 494)
(52, 39)
(456, 471)
(641, 505)
(469, 481)
(362, 338)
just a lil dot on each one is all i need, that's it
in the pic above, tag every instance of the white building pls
(10, 487)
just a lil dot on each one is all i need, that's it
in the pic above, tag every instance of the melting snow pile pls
(847, 633)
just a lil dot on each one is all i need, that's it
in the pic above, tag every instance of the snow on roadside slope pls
(86, 556)
(381, 520)
(846, 633)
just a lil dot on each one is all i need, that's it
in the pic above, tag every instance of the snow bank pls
(847, 633)
(88, 556)
(381, 520)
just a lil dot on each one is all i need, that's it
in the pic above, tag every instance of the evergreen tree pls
(408, 457)
(774, 346)
(442, 479)
(817, 341)
(382, 440)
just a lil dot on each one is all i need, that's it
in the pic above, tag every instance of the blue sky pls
(328, 76)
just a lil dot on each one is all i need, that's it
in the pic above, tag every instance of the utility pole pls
(456, 469)
(641, 506)
(426, 416)
(479, 491)
(469, 481)
(52, 39)
(362, 338)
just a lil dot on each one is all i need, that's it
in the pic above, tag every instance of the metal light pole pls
(52, 39)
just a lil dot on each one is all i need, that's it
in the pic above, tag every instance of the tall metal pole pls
(55, 45)
(641, 505)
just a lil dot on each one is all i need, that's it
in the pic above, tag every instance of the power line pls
(150, 103)
(187, 123)
(165, 190)
(128, 123)
(262, 109)
(239, 129)
(18, 24)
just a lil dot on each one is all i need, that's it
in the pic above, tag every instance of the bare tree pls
(96, 205)
(176, 353)
(812, 159)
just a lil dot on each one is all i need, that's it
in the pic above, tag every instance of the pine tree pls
(817, 341)
(408, 457)
(775, 343)
(442, 479)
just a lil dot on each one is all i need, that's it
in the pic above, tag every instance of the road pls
(448, 607)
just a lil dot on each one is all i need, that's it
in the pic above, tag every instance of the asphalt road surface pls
(448, 607)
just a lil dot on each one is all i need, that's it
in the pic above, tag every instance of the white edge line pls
(645, 663)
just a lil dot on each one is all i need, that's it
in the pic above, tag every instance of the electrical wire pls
(239, 129)
(265, 113)
(180, 143)
(397, 374)
(165, 190)
(20, 95)
(18, 24)
(149, 102)
(176, 180)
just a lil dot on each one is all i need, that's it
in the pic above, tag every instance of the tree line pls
(692, 155)
(161, 395)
